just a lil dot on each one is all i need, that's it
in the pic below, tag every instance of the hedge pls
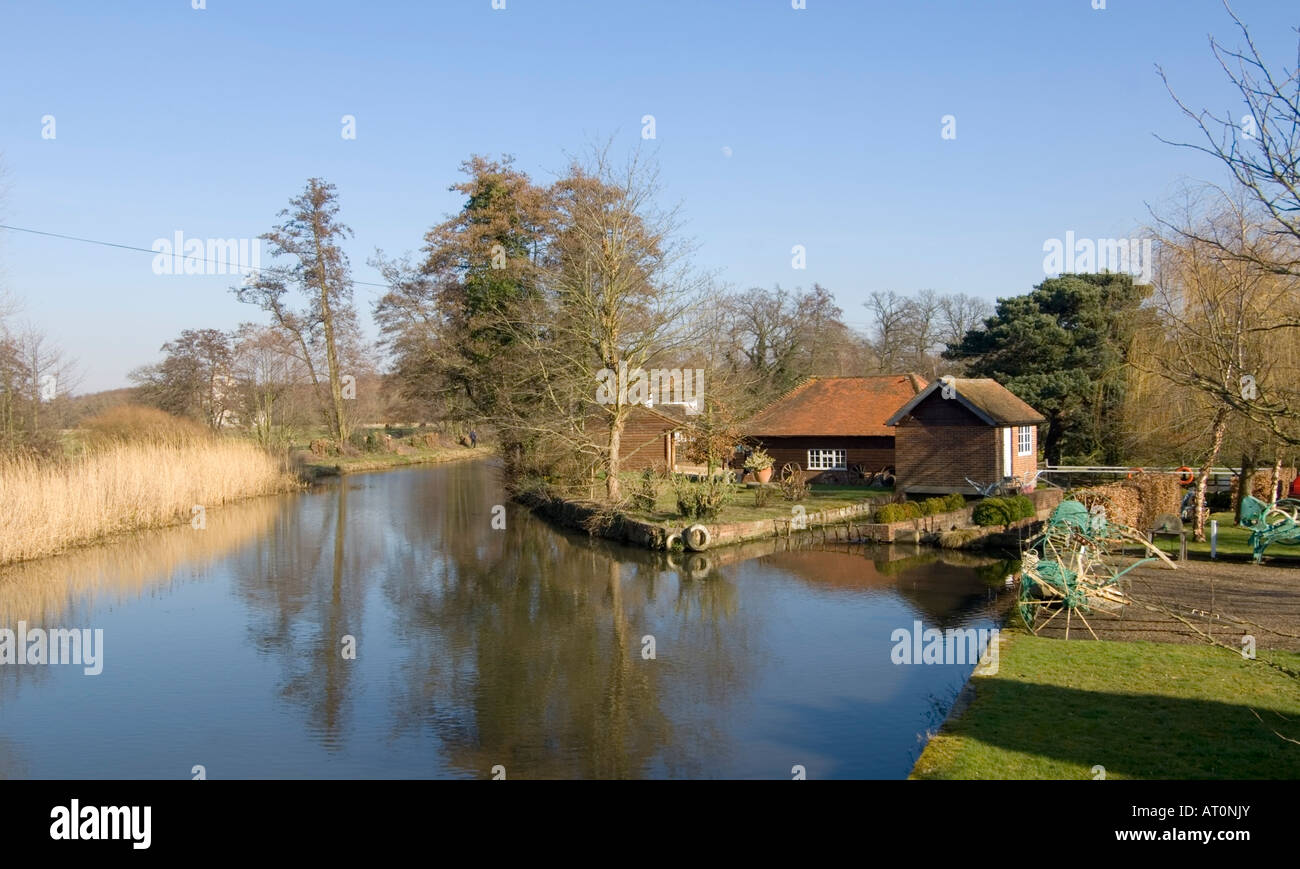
(1003, 511)
(899, 511)
(889, 513)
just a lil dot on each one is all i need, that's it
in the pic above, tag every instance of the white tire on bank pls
(696, 538)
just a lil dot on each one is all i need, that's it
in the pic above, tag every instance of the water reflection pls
(476, 647)
(53, 591)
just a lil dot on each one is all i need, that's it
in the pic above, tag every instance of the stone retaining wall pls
(838, 523)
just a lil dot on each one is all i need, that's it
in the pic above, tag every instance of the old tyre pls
(696, 538)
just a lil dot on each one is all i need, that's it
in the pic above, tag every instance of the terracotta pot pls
(764, 475)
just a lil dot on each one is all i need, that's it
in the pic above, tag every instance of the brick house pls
(981, 430)
(832, 426)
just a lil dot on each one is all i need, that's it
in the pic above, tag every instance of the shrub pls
(364, 441)
(646, 493)
(992, 511)
(794, 488)
(1022, 507)
(1003, 511)
(762, 496)
(932, 506)
(889, 513)
(700, 499)
(955, 501)
(911, 510)
(758, 460)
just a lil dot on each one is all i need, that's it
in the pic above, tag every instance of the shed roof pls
(989, 400)
(837, 406)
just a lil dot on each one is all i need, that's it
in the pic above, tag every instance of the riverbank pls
(832, 516)
(1083, 709)
(52, 506)
(315, 467)
(592, 517)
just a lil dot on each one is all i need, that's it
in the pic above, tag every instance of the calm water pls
(475, 648)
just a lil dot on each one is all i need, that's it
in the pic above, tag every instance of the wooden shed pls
(830, 426)
(975, 428)
(650, 438)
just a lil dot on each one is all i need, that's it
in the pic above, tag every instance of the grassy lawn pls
(1234, 542)
(741, 506)
(1056, 709)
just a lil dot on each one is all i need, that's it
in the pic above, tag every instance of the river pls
(479, 651)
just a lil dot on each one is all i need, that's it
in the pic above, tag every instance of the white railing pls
(1220, 477)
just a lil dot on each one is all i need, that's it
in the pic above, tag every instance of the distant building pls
(651, 437)
(835, 428)
(977, 428)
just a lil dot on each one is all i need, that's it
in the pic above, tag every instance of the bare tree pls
(312, 235)
(889, 336)
(958, 314)
(623, 287)
(1262, 149)
(1227, 327)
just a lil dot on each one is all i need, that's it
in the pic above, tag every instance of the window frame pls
(1024, 441)
(839, 459)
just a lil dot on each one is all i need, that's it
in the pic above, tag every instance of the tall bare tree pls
(311, 234)
(623, 287)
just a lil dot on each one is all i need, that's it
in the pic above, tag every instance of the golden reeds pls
(47, 506)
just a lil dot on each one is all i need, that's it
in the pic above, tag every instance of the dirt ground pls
(1225, 599)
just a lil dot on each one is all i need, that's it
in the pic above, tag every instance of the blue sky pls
(206, 122)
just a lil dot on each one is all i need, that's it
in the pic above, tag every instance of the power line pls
(152, 252)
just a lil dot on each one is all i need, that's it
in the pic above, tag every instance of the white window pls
(826, 460)
(1025, 440)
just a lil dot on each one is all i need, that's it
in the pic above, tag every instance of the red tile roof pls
(838, 406)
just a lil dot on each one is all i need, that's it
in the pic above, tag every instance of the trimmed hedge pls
(889, 513)
(931, 506)
(1003, 511)
(902, 510)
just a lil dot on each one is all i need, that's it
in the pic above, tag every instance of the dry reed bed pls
(46, 591)
(49, 507)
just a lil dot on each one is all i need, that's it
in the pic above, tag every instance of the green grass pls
(1057, 708)
(1234, 542)
(740, 506)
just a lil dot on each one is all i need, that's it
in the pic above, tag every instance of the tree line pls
(515, 304)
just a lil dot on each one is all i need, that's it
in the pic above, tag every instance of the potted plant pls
(760, 463)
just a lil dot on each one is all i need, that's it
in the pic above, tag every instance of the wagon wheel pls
(791, 468)
(859, 473)
(1029, 604)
